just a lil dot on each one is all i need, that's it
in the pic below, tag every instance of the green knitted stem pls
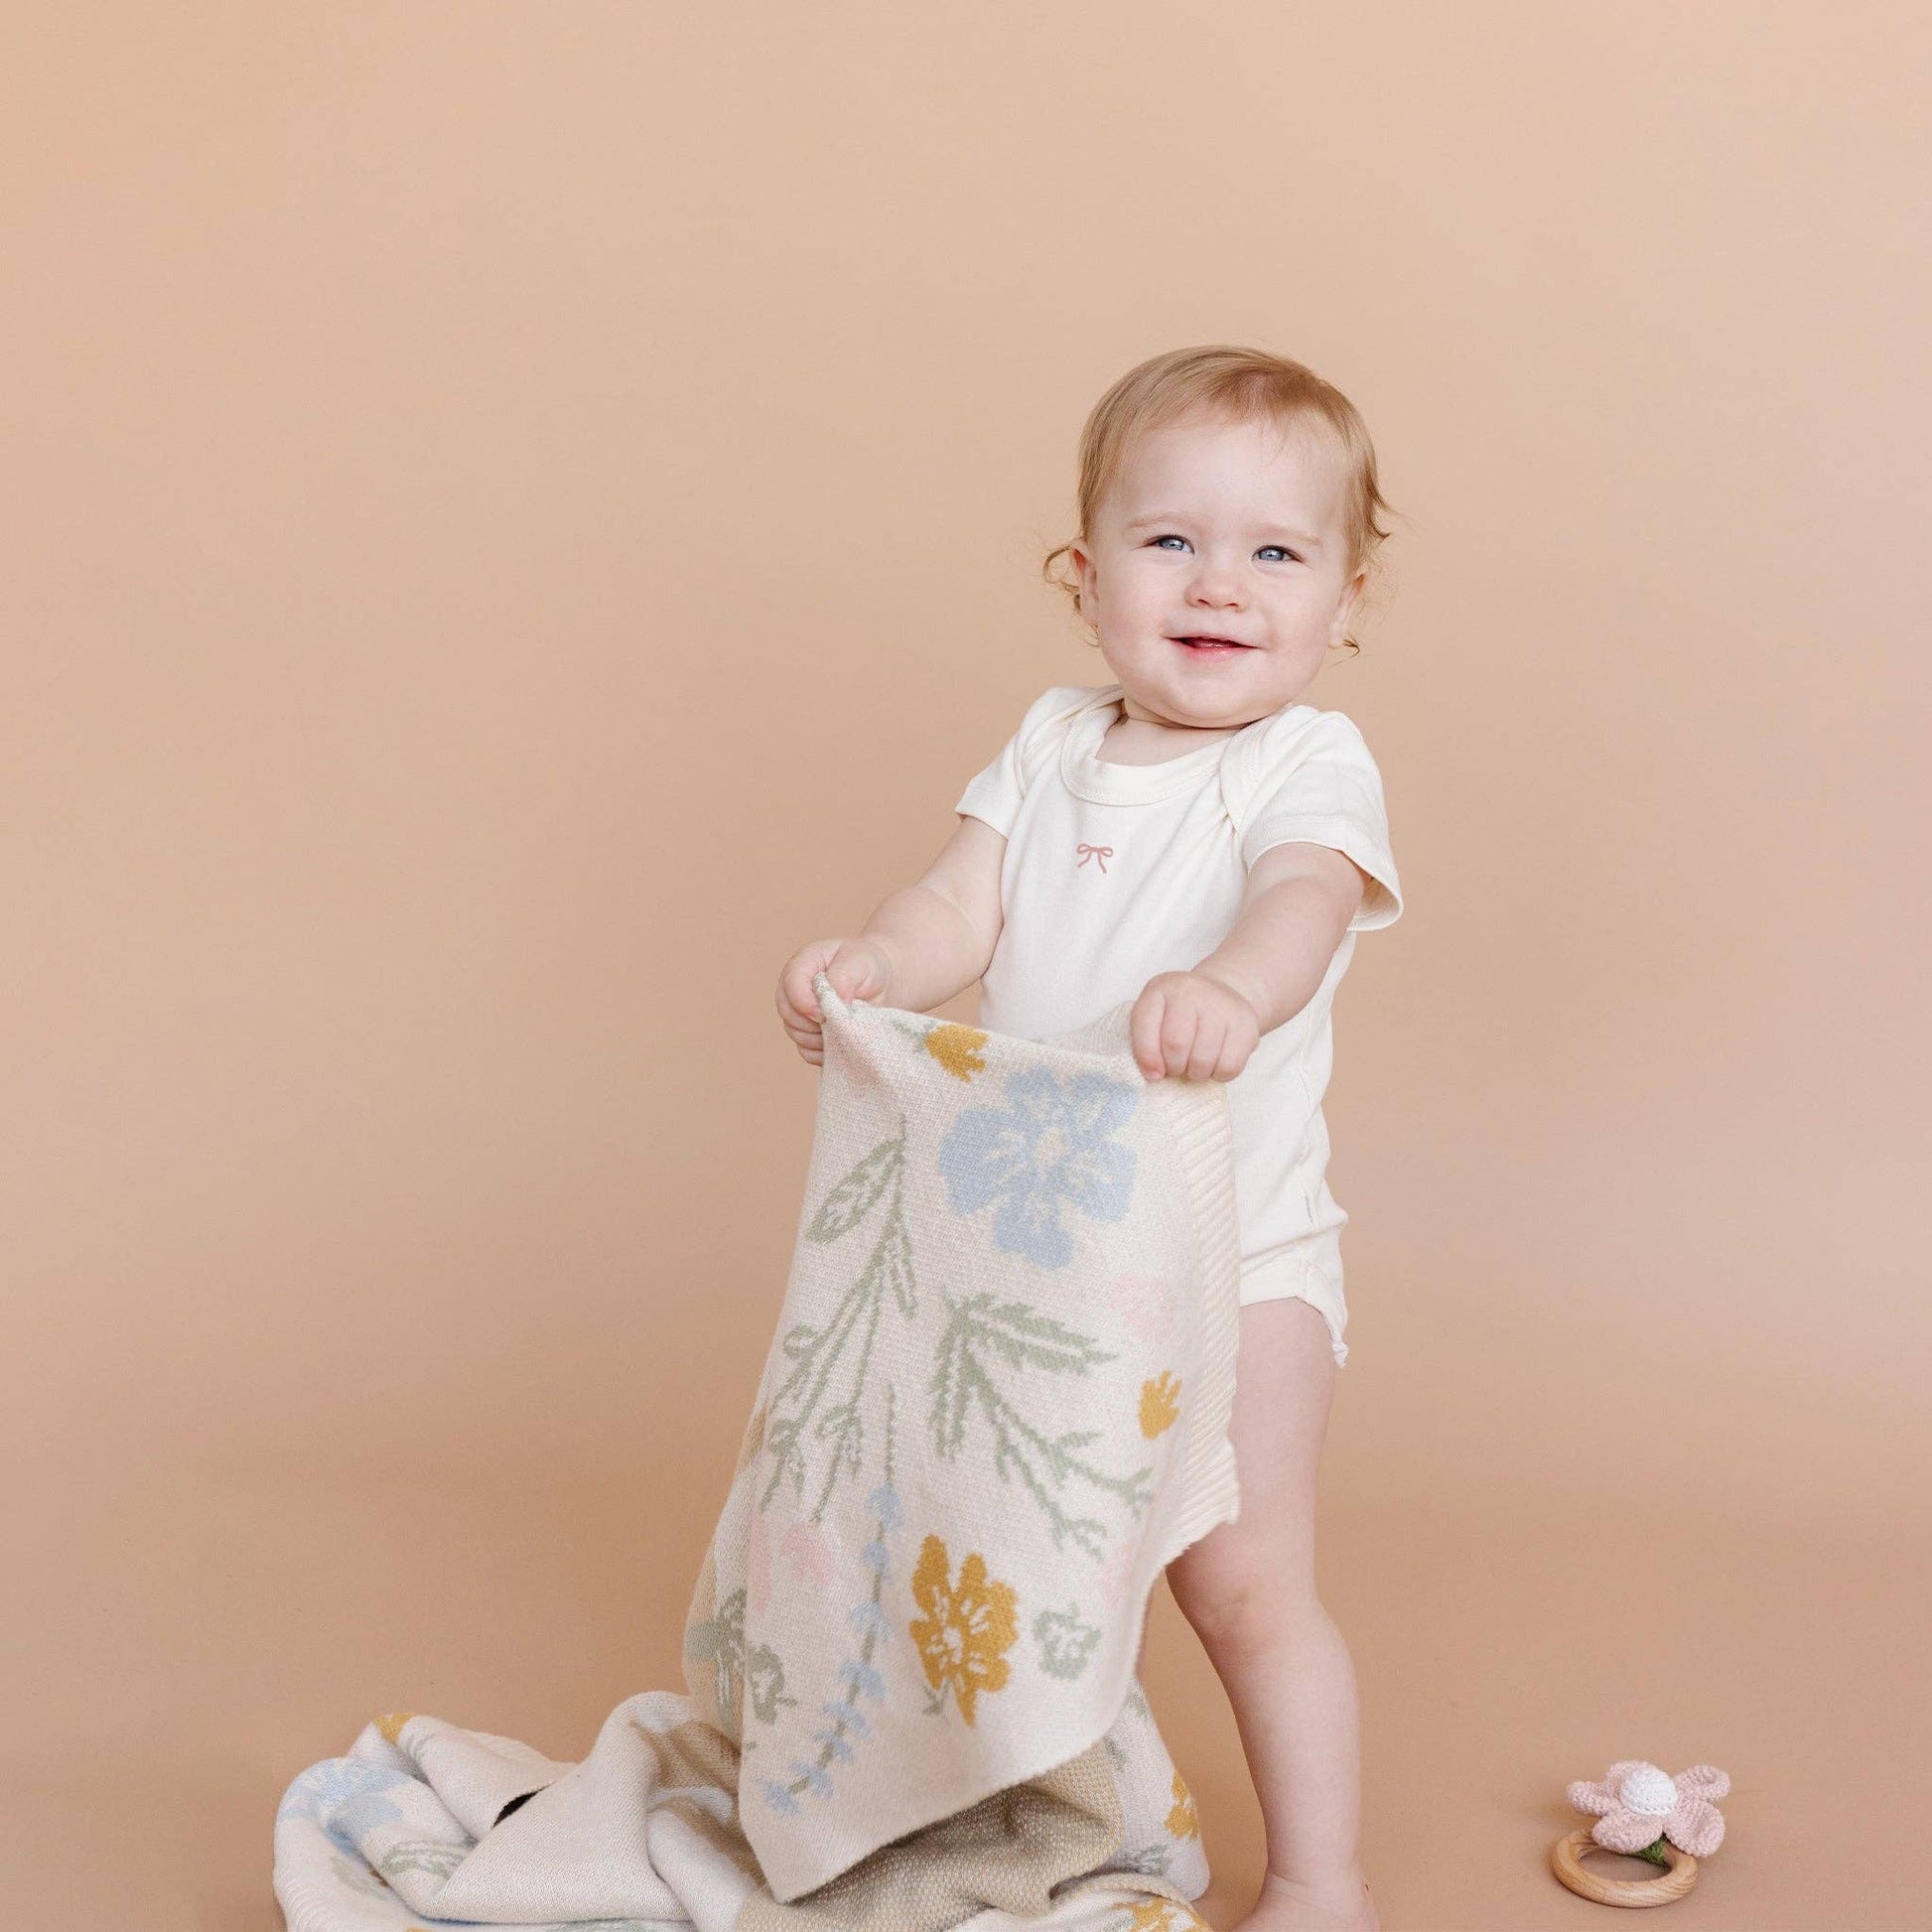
(1654, 1851)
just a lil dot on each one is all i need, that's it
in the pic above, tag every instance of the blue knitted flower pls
(1050, 1144)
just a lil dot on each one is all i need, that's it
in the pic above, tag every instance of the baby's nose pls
(1216, 585)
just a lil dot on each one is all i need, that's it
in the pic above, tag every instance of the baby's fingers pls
(807, 1037)
(1143, 1032)
(1180, 1027)
(1234, 1056)
(797, 1020)
(797, 1000)
(1204, 1052)
(856, 973)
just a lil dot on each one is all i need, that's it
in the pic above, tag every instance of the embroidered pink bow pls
(1099, 853)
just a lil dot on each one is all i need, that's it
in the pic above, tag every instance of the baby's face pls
(1215, 574)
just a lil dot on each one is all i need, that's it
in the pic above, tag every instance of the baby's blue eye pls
(1268, 553)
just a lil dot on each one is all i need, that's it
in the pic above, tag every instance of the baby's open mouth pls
(1206, 646)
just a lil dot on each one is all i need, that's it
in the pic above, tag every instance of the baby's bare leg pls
(1248, 1589)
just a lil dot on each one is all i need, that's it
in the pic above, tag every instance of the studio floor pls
(1503, 1649)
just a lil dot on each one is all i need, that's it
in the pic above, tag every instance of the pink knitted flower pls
(1637, 1805)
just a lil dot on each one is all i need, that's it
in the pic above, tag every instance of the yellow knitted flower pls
(1165, 1916)
(957, 1050)
(1183, 1820)
(1159, 1403)
(966, 1628)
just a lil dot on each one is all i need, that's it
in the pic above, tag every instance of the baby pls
(1194, 838)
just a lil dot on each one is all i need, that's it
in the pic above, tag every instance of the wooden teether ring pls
(1566, 1862)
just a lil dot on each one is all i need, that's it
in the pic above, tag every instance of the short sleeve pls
(1318, 783)
(994, 795)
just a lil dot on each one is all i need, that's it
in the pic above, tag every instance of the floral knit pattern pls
(1050, 1149)
(966, 1628)
(994, 1406)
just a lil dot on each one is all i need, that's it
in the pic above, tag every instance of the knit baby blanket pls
(995, 1408)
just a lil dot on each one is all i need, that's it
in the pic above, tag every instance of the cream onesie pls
(1114, 873)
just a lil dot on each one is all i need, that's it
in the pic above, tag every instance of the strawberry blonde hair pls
(1235, 385)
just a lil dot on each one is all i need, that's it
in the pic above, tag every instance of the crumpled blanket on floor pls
(995, 1408)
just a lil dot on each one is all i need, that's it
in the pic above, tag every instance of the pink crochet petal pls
(1696, 1826)
(1622, 1768)
(1595, 1799)
(1703, 1781)
(1627, 1831)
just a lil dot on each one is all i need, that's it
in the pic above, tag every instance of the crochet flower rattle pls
(1642, 1811)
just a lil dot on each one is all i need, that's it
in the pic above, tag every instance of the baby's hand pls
(857, 970)
(1193, 1027)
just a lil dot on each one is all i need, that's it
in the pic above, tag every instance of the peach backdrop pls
(521, 515)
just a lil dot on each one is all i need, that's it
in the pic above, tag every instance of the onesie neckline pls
(1088, 776)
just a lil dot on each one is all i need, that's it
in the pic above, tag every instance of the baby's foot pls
(1337, 1906)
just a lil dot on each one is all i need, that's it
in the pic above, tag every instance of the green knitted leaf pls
(851, 1201)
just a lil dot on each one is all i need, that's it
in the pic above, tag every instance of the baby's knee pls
(1243, 1589)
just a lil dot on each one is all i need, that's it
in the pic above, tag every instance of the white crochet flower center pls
(1650, 1791)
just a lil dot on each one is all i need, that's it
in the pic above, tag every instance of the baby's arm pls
(1203, 1025)
(924, 943)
